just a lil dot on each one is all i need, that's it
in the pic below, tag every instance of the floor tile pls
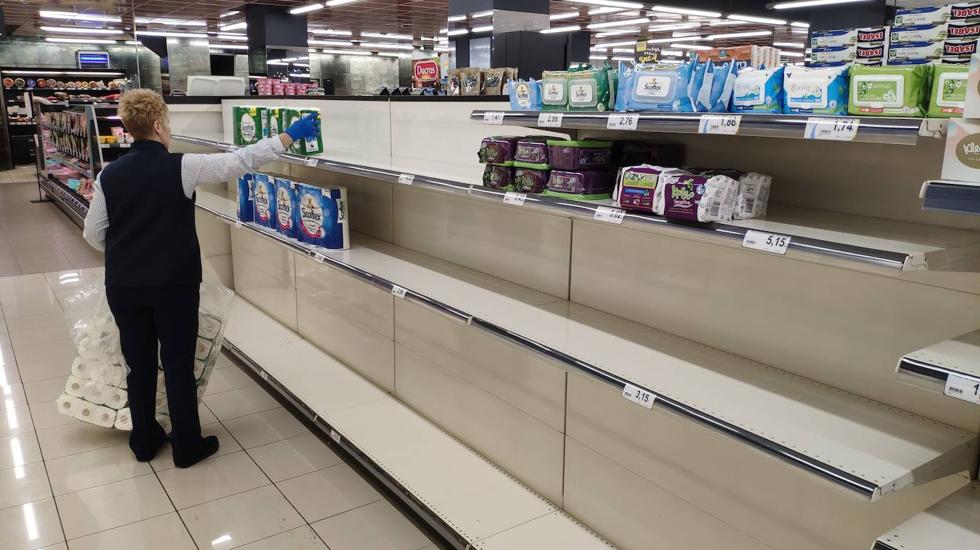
(265, 427)
(43, 370)
(239, 519)
(18, 450)
(23, 484)
(32, 525)
(93, 468)
(379, 526)
(112, 505)
(13, 393)
(59, 546)
(14, 420)
(40, 335)
(301, 538)
(212, 479)
(293, 457)
(328, 492)
(226, 445)
(20, 310)
(166, 532)
(63, 352)
(46, 415)
(45, 390)
(35, 321)
(205, 415)
(235, 403)
(77, 437)
(228, 379)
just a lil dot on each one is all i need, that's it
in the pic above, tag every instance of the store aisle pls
(37, 238)
(273, 484)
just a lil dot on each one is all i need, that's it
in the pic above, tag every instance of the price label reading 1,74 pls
(834, 129)
(720, 124)
(963, 388)
(766, 242)
(638, 396)
(622, 121)
(493, 118)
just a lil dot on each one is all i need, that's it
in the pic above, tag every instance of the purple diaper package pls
(636, 187)
(586, 185)
(265, 201)
(530, 180)
(580, 155)
(286, 200)
(498, 149)
(246, 198)
(533, 150)
(323, 216)
(688, 197)
(498, 177)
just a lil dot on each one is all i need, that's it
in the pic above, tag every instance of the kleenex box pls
(323, 216)
(962, 159)
(971, 108)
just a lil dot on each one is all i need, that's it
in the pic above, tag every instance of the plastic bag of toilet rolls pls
(96, 388)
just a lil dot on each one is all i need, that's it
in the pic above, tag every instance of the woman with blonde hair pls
(142, 216)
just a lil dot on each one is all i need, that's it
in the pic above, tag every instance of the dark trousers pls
(168, 316)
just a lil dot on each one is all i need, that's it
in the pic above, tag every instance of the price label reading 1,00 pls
(720, 124)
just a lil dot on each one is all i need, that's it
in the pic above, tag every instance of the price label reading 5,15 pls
(622, 121)
(639, 396)
(766, 242)
(493, 118)
(834, 129)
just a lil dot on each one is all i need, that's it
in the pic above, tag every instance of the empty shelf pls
(951, 524)
(455, 485)
(960, 197)
(951, 367)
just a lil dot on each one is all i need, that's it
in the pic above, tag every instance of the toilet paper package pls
(124, 421)
(274, 121)
(286, 211)
(948, 95)
(660, 88)
(203, 349)
(499, 177)
(689, 197)
(928, 15)
(247, 124)
(580, 185)
(208, 326)
(530, 180)
(915, 53)
(758, 91)
(525, 95)
(809, 90)
(95, 414)
(889, 90)
(636, 187)
(265, 201)
(323, 216)
(311, 145)
(838, 38)
(246, 198)
(554, 91)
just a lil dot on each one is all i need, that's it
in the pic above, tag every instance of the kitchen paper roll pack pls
(95, 414)
(124, 420)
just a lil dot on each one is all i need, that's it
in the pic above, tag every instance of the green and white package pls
(312, 145)
(588, 90)
(275, 121)
(289, 116)
(889, 90)
(248, 124)
(554, 91)
(948, 97)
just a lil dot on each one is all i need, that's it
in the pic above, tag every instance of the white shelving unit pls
(859, 444)
(953, 523)
(951, 367)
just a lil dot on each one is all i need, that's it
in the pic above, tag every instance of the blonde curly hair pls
(139, 109)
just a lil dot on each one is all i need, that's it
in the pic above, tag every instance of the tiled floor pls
(37, 238)
(65, 484)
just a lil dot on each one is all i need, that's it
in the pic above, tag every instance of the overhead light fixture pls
(166, 21)
(569, 28)
(686, 35)
(623, 23)
(228, 46)
(306, 9)
(333, 3)
(69, 40)
(300, 75)
(810, 4)
(725, 22)
(686, 11)
(799, 31)
(234, 26)
(800, 24)
(791, 54)
(673, 27)
(608, 45)
(485, 28)
(799, 45)
(620, 58)
(386, 46)
(566, 15)
(307, 65)
(457, 32)
(610, 3)
(237, 37)
(276, 62)
(605, 11)
(754, 19)
(229, 14)
(332, 32)
(674, 39)
(395, 54)
(456, 18)
(317, 42)
(130, 42)
(671, 52)
(617, 33)
(746, 34)
(690, 47)
(389, 36)
(81, 30)
(345, 52)
(172, 34)
(479, 14)
(622, 50)
(72, 16)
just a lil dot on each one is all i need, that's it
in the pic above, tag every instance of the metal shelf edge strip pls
(936, 372)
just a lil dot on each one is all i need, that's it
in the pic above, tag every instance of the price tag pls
(609, 215)
(766, 242)
(406, 179)
(335, 436)
(622, 121)
(638, 396)
(311, 162)
(493, 118)
(397, 291)
(835, 129)
(550, 120)
(264, 375)
(720, 124)
(966, 389)
(516, 199)
(319, 258)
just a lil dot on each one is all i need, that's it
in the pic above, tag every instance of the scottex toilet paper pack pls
(323, 216)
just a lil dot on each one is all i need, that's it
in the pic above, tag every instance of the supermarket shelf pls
(412, 457)
(864, 446)
(72, 204)
(931, 367)
(959, 197)
(893, 246)
(114, 145)
(953, 522)
(62, 158)
(896, 131)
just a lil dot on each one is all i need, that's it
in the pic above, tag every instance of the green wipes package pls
(890, 90)
(948, 96)
(588, 90)
(554, 91)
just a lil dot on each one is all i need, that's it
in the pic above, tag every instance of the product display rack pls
(951, 523)
(849, 239)
(896, 131)
(932, 367)
(959, 197)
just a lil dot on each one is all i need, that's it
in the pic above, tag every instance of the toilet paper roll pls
(115, 375)
(80, 368)
(114, 398)
(200, 392)
(74, 387)
(67, 405)
(203, 349)
(164, 421)
(161, 402)
(124, 421)
(95, 414)
(208, 326)
(92, 393)
(161, 382)
(198, 369)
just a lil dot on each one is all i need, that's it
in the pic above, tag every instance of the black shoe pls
(208, 446)
(147, 451)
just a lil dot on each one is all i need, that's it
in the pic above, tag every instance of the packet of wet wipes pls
(758, 91)
(810, 90)
(889, 90)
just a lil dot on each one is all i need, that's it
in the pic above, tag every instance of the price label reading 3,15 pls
(620, 121)
(834, 129)
(639, 396)
(493, 118)
(766, 242)
(720, 124)
(550, 120)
